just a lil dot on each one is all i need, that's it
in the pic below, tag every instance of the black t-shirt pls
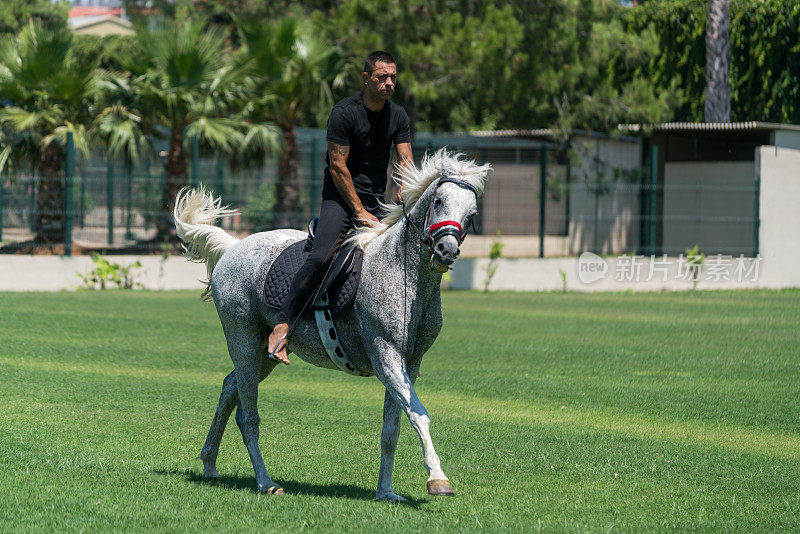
(370, 135)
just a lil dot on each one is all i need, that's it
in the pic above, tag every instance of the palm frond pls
(42, 54)
(80, 137)
(296, 66)
(20, 120)
(119, 129)
(221, 134)
(4, 155)
(263, 137)
(269, 44)
(185, 52)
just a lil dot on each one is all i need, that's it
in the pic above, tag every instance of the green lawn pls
(607, 412)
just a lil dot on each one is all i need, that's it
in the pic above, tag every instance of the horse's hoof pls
(440, 487)
(271, 490)
(209, 468)
(390, 497)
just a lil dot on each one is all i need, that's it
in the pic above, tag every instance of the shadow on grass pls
(293, 487)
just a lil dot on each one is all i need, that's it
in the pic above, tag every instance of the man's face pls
(381, 82)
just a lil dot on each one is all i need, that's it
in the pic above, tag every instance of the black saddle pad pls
(341, 283)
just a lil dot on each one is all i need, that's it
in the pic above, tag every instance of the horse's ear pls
(447, 170)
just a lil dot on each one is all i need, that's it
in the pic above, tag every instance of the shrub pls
(105, 272)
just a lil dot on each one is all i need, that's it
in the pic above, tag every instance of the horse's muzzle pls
(445, 251)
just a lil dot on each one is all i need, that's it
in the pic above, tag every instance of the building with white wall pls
(708, 187)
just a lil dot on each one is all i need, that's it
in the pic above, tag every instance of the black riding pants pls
(335, 220)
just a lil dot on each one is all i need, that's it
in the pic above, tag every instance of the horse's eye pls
(437, 203)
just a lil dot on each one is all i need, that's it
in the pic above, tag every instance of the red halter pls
(457, 231)
(429, 232)
(446, 223)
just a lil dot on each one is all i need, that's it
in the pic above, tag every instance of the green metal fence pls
(564, 205)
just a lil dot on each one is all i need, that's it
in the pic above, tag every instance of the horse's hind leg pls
(228, 400)
(245, 347)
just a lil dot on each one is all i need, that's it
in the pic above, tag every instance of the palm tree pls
(120, 126)
(718, 51)
(193, 86)
(295, 71)
(51, 93)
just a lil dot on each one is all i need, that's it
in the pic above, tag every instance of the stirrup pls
(271, 354)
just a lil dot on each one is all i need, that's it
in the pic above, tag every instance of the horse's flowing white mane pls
(413, 184)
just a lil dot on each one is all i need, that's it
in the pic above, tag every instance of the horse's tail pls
(195, 212)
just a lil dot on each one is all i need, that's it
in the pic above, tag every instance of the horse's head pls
(444, 191)
(452, 205)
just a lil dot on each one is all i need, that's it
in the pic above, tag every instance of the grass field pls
(607, 412)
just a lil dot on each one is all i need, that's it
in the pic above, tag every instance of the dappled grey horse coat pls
(394, 320)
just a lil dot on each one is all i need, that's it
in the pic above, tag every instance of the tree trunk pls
(288, 212)
(50, 217)
(175, 179)
(718, 50)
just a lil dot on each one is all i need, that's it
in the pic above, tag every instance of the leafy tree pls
(14, 14)
(295, 70)
(764, 70)
(51, 93)
(187, 80)
(120, 125)
(518, 64)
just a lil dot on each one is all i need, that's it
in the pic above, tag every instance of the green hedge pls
(765, 55)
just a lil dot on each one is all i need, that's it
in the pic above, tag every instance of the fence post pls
(756, 208)
(2, 184)
(32, 205)
(147, 178)
(68, 193)
(653, 185)
(218, 183)
(542, 196)
(129, 200)
(315, 179)
(82, 206)
(195, 158)
(110, 199)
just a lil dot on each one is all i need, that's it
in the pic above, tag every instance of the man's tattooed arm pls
(337, 155)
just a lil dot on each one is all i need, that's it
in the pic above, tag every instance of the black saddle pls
(340, 281)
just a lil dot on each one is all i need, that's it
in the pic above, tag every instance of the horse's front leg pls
(390, 369)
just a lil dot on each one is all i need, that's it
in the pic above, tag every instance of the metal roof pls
(538, 132)
(708, 127)
(548, 132)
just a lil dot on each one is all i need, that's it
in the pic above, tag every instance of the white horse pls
(393, 321)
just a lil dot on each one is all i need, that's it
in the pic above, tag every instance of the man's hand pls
(366, 218)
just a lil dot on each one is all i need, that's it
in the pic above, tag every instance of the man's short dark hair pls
(374, 57)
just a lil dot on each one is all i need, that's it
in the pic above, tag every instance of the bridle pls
(433, 232)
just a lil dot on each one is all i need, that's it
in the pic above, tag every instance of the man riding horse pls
(361, 131)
